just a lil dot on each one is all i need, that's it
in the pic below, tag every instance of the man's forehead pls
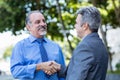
(36, 16)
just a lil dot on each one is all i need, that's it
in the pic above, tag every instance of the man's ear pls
(85, 26)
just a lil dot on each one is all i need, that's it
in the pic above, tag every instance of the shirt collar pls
(32, 38)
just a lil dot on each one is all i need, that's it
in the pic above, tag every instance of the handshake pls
(49, 67)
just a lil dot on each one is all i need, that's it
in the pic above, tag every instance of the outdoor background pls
(60, 18)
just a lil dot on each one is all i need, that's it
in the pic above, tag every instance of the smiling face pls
(37, 25)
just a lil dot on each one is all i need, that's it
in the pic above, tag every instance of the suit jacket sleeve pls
(80, 63)
(62, 72)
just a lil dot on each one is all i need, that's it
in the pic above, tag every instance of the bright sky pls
(7, 39)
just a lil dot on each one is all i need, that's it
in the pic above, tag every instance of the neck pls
(87, 33)
(39, 36)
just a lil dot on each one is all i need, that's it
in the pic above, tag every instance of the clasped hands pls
(49, 67)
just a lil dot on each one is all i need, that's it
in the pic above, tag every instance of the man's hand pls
(49, 67)
(55, 67)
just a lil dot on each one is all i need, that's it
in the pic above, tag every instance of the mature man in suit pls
(90, 58)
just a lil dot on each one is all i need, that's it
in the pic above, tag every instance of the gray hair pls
(92, 16)
(27, 20)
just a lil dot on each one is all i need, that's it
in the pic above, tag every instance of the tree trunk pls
(38, 4)
(106, 45)
(117, 11)
(63, 26)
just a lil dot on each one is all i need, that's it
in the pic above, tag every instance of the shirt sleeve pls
(18, 67)
(61, 60)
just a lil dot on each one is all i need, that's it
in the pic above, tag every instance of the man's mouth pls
(42, 28)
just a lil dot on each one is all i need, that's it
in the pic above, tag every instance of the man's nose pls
(43, 23)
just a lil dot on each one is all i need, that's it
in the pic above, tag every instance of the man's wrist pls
(38, 66)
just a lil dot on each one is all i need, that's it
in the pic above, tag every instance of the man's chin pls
(43, 33)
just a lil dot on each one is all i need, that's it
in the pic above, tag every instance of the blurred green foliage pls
(7, 52)
(114, 72)
(118, 66)
(13, 13)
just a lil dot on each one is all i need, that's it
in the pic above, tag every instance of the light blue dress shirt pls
(26, 54)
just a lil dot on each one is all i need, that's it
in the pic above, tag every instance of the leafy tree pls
(60, 16)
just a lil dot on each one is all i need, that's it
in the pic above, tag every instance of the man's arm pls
(18, 67)
(62, 71)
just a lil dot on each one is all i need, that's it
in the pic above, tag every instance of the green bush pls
(118, 66)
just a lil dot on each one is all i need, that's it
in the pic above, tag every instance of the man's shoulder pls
(22, 41)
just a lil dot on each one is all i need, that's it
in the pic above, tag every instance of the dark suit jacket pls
(89, 60)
